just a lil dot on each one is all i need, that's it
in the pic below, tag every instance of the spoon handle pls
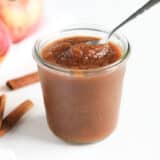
(145, 7)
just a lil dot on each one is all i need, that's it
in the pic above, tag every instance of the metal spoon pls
(145, 7)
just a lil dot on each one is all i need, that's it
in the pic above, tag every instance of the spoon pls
(145, 7)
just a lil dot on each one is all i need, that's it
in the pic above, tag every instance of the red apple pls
(4, 41)
(22, 17)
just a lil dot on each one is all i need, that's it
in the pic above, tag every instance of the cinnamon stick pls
(12, 118)
(23, 81)
(2, 106)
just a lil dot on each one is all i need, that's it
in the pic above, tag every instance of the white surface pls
(138, 133)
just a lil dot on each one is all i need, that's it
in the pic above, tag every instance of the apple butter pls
(82, 86)
(75, 53)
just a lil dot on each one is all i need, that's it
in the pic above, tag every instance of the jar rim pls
(46, 64)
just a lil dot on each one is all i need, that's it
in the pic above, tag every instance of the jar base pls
(75, 141)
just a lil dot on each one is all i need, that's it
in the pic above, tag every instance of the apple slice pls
(4, 41)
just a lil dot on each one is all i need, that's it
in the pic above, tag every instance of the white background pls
(138, 133)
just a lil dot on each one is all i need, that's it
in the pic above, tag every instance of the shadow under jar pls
(82, 105)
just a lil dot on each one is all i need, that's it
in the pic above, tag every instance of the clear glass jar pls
(82, 109)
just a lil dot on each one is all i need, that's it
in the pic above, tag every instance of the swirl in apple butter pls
(75, 53)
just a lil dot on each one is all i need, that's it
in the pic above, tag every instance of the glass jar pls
(82, 109)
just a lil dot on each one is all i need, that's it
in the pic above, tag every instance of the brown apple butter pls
(75, 53)
(81, 107)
